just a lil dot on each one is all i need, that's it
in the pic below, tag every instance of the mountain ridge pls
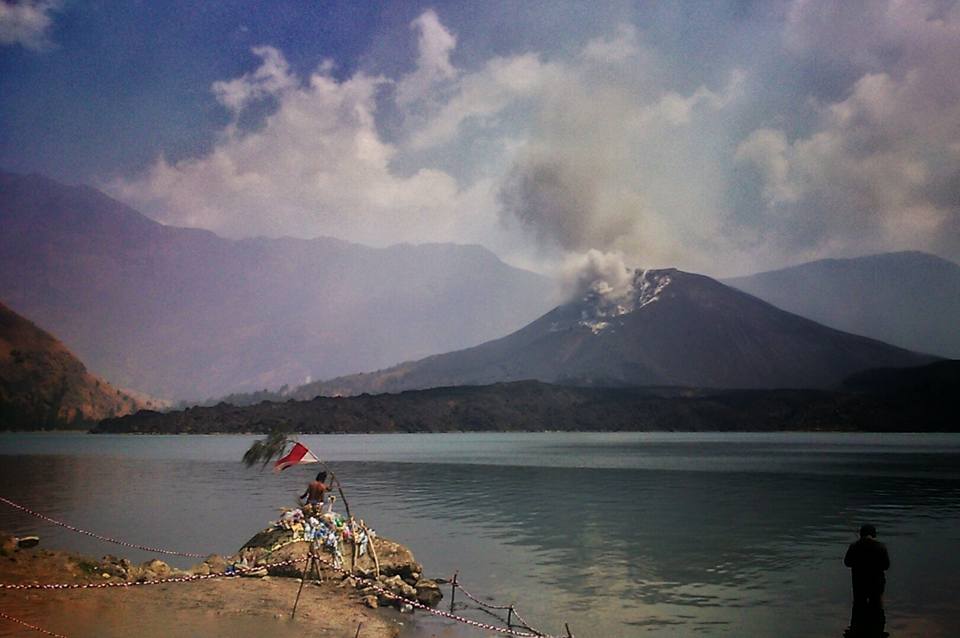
(909, 298)
(184, 313)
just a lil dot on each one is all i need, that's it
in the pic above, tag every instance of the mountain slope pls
(43, 385)
(183, 313)
(674, 328)
(910, 299)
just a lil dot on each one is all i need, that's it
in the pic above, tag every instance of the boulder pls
(115, 567)
(212, 564)
(152, 570)
(269, 539)
(428, 592)
(398, 586)
(215, 562)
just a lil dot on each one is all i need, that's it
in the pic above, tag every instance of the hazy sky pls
(720, 137)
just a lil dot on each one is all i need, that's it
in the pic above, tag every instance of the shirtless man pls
(315, 492)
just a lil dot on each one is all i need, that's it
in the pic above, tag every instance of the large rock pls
(399, 570)
(428, 592)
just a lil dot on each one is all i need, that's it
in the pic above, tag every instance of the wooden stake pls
(353, 542)
(371, 548)
(303, 578)
(357, 635)
(453, 590)
(510, 617)
(567, 627)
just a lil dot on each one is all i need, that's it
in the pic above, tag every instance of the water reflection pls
(617, 537)
(648, 544)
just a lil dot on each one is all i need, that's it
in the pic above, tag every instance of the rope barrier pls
(510, 608)
(480, 602)
(159, 581)
(196, 577)
(153, 550)
(525, 624)
(29, 626)
(437, 612)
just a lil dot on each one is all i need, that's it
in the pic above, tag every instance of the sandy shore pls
(235, 607)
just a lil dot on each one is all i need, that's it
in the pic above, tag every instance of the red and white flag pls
(299, 454)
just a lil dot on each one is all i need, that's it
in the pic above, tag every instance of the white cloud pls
(545, 158)
(878, 172)
(581, 154)
(483, 95)
(27, 23)
(435, 44)
(271, 78)
(316, 167)
(622, 46)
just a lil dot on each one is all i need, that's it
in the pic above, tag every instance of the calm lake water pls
(616, 534)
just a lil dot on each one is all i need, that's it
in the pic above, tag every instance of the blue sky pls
(721, 137)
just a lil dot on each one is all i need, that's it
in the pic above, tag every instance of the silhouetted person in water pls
(868, 560)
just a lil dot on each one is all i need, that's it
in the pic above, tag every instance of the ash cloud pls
(557, 203)
(600, 273)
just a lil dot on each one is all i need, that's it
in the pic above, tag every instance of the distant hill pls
(185, 314)
(675, 329)
(910, 299)
(916, 399)
(42, 385)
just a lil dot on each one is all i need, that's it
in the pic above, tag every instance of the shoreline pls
(103, 598)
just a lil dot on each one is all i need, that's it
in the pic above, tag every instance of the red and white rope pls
(511, 608)
(443, 614)
(184, 579)
(154, 550)
(480, 602)
(524, 623)
(159, 581)
(29, 626)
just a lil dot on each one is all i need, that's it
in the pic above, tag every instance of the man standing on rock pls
(315, 493)
(868, 560)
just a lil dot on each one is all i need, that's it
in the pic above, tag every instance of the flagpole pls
(333, 476)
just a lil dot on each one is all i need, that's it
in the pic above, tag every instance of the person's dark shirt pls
(867, 558)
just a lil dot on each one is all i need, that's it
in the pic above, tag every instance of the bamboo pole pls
(371, 548)
(333, 478)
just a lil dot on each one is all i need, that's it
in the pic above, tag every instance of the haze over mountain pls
(670, 328)
(911, 299)
(42, 385)
(183, 313)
